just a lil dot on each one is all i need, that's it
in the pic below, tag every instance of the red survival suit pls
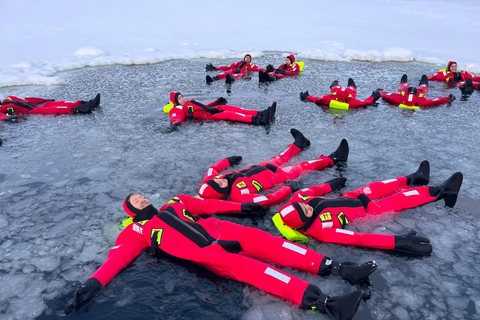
(347, 95)
(227, 249)
(193, 109)
(332, 215)
(410, 98)
(19, 106)
(243, 185)
(456, 77)
(237, 70)
(285, 69)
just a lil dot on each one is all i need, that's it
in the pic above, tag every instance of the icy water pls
(63, 180)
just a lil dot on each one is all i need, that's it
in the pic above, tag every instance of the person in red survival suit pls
(244, 185)
(17, 106)
(346, 95)
(227, 249)
(460, 78)
(325, 219)
(289, 68)
(216, 110)
(414, 97)
(234, 71)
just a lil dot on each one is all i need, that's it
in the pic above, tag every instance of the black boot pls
(404, 79)
(421, 177)
(208, 79)
(423, 80)
(448, 190)
(334, 84)
(341, 154)
(266, 117)
(11, 119)
(467, 88)
(86, 107)
(300, 140)
(261, 76)
(229, 79)
(351, 83)
(273, 110)
(350, 271)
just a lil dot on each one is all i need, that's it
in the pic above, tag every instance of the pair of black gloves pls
(270, 68)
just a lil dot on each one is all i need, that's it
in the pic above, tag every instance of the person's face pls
(223, 183)
(181, 99)
(307, 210)
(288, 61)
(138, 201)
(248, 59)
(453, 67)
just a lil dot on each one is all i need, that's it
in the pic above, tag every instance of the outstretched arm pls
(220, 166)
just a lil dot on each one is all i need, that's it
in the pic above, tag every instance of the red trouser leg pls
(62, 103)
(404, 200)
(342, 236)
(380, 189)
(232, 116)
(224, 75)
(237, 76)
(283, 157)
(315, 165)
(52, 110)
(237, 109)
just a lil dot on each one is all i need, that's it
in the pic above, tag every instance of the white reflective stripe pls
(287, 210)
(209, 172)
(411, 193)
(388, 181)
(305, 189)
(283, 152)
(444, 73)
(278, 275)
(389, 94)
(327, 224)
(240, 114)
(116, 247)
(295, 248)
(245, 191)
(345, 231)
(259, 199)
(312, 161)
(367, 190)
(435, 99)
(174, 114)
(410, 97)
(62, 107)
(179, 107)
(137, 228)
(202, 188)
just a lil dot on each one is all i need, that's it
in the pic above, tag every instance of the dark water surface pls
(63, 180)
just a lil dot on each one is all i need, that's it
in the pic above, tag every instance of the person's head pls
(213, 188)
(176, 98)
(452, 66)
(136, 205)
(290, 59)
(296, 214)
(247, 58)
(412, 90)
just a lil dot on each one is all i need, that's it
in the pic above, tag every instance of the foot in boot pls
(448, 190)
(266, 118)
(421, 177)
(354, 272)
(341, 154)
(467, 88)
(300, 140)
(84, 107)
(229, 79)
(96, 101)
(342, 307)
(261, 76)
(404, 79)
(273, 110)
(351, 83)
(423, 80)
(209, 79)
(334, 84)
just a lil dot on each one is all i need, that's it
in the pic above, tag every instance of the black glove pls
(221, 101)
(250, 207)
(270, 68)
(411, 243)
(451, 97)
(281, 71)
(11, 119)
(209, 67)
(234, 160)
(337, 183)
(294, 185)
(353, 272)
(83, 294)
(304, 95)
(376, 95)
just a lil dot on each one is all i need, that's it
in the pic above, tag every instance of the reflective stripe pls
(410, 97)
(259, 199)
(313, 161)
(411, 193)
(245, 191)
(295, 248)
(240, 114)
(278, 275)
(209, 172)
(345, 231)
(203, 188)
(327, 224)
(287, 210)
(388, 181)
(116, 247)
(137, 228)
(367, 190)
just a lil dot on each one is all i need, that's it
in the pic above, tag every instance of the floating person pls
(227, 249)
(233, 72)
(180, 109)
(342, 98)
(307, 213)
(414, 98)
(459, 78)
(289, 68)
(19, 106)
(244, 185)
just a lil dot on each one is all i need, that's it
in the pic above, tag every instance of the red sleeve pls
(256, 68)
(441, 75)
(322, 100)
(313, 191)
(176, 115)
(355, 103)
(128, 246)
(33, 100)
(232, 66)
(212, 104)
(424, 102)
(265, 200)
(394, 98)
(216, 169)
(372, 240)
(199, 206)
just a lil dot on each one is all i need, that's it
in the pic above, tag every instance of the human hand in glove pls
(294, 185)
(376, 94)
(279, 71)
(337, 183)
(251, 207)
(234, 160)
(451, 97)
(411, 243)
(270, 68)
(221, 101)
(83, 294)
(304, 95)
(209, 67)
